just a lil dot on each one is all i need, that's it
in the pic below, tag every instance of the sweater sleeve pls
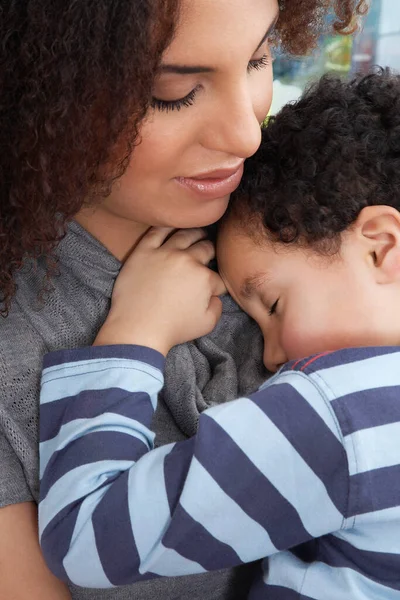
(13, 486)
(263, 473)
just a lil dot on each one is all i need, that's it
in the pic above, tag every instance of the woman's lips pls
(215, 184)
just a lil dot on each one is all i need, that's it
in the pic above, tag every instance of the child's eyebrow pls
(252, 283)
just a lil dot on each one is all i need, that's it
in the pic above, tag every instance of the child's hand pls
(165, 294)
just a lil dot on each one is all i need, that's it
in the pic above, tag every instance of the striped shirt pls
(304, 473)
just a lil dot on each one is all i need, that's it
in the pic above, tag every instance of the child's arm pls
(263, 474)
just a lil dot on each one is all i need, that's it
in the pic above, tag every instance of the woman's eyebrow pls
(193, 70)
(185, 70)
(268, 32)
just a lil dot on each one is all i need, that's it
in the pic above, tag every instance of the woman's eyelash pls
(170, 105)
(273, 308)
(259, 63)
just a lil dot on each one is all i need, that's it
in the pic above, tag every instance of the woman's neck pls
(117, 234)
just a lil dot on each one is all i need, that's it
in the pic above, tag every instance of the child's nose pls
(274, 357)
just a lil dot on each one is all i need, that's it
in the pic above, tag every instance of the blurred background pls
(378, 43)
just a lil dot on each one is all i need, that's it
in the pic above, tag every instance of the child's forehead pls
(245, 254)
(234, 240)
(252, 251)
(238, 235)
(242, 229)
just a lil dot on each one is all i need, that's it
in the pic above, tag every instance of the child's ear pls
(379, 227)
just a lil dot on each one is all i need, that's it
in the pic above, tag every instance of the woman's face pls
(213, 91)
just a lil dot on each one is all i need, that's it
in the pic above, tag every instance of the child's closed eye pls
(273, 308)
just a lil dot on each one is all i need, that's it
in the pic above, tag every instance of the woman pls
(82, 84)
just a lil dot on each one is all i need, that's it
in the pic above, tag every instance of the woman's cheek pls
(263, 98)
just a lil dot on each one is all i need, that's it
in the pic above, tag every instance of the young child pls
(306, 471)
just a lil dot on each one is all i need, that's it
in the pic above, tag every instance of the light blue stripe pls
(280, 463)
(80, 427)
(148, 501)
(76, 484)
(307, 388)
(376, 447)
(286, 570)
(73, 378)
(371, 373)
(85, 366)
(222, 517)
(150, 517)
(322, 582)
(351, 454)
(82, 562)
(167, 562)
(378, 531)
(341, 583)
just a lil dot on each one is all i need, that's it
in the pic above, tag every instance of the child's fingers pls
(202, 252)
(155, 237)
(218, 287)
(184, 238)
(214, 311)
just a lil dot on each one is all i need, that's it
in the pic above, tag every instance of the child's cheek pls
(293, 340)
(299, 340)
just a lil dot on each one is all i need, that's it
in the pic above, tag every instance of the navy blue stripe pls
(346, 356)
(289, 366)
(368, 408)
(132, 352)
(93, 403)
(244, 482)
(176, 467)
(374, 490)
(184, 530)
(114, 537)
(384, 568)
(300, 363)
(310, 437)
(92, 448)
(55, 541)
(195, 542)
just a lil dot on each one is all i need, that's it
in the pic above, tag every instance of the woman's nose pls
(235, 129)
(274, 356)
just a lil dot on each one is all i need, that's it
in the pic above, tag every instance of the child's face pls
(304, 303)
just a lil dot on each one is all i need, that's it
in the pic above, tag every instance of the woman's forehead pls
(222, 26)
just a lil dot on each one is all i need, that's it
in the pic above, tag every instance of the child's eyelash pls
(170, 105)
(273, 308)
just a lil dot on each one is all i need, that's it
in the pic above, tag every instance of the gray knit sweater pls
(211, 370)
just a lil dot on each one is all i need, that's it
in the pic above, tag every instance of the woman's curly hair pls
(74, 76)
(76, 79)
(301, 22)
(323, 159)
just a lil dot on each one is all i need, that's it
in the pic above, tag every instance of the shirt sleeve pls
(263, 474)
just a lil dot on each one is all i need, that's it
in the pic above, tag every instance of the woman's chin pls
(205, 215)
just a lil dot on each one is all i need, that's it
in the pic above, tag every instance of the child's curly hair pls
(76, 78)
(324, 158)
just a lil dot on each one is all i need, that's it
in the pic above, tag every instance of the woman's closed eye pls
(259, 63)
(255, 64)
(169, 105)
